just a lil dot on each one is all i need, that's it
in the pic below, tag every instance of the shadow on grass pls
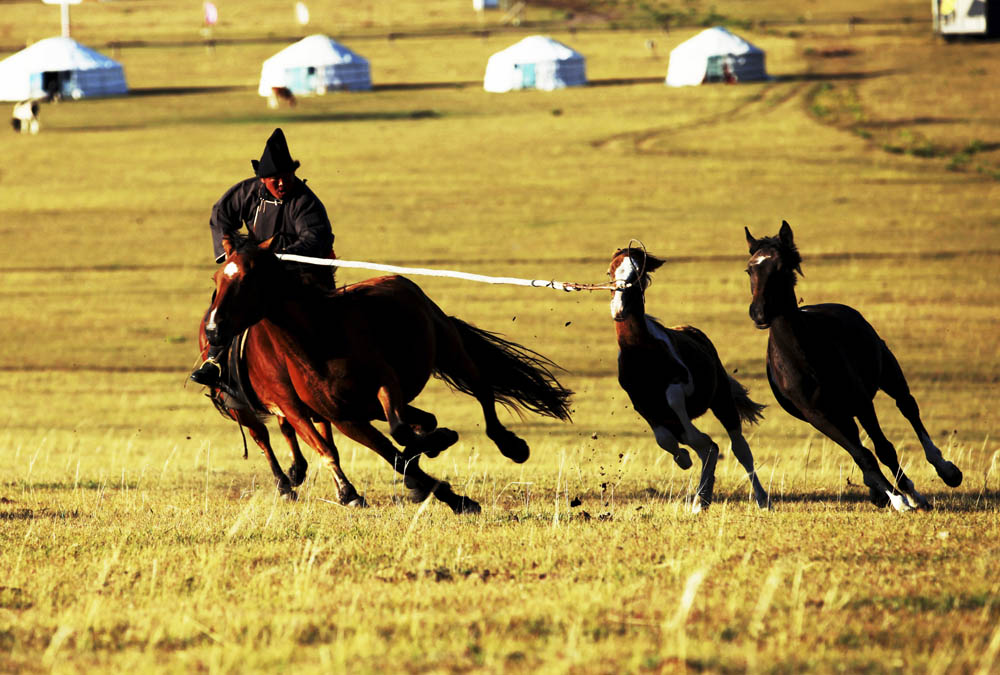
(950, 502)
(35, 514)
(263, 118)
(832, 77)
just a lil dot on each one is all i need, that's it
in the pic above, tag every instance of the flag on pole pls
(211, 14)
(301, 13)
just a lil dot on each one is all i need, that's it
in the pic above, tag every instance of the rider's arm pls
(312, 229)
(228, 214)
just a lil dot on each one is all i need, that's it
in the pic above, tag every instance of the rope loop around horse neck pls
(642, 270)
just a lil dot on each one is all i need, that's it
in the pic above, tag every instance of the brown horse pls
(825, 363)
(232, 404)
(362, 354)
(674, 375)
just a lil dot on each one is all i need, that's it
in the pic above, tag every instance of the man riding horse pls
(277, 204)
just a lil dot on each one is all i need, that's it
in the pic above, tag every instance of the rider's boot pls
(209, 372)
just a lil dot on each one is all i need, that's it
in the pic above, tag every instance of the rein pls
(481, 278)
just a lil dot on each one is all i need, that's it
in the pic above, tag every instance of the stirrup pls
(208, 373)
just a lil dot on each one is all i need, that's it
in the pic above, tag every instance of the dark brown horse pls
(674, 375)
(362, 354)
(825, 363)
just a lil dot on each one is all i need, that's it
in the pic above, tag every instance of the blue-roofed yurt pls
(315, 65)
(715, 55)
(536, 62)
(59, 67)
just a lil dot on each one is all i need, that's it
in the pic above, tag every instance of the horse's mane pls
(290, 275)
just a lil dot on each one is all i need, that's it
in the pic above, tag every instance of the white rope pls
(482, 278)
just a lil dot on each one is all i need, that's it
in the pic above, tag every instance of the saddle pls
(236, 391)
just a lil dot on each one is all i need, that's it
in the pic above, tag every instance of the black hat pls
(276, 158)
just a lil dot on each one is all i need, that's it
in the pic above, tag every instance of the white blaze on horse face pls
(210, 324)
(757, 260)
(231, 269)
(624, 273)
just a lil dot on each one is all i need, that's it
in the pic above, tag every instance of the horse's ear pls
(785, 234)
(228, 245)
(751, 242)
(268, 244)
(653, 263)
(788, 241)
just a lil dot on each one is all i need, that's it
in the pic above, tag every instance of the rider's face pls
(280, 185)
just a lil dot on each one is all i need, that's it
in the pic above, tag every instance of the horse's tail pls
(521, 378)
(749, 410)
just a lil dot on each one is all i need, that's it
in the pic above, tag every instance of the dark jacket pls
(299, 221)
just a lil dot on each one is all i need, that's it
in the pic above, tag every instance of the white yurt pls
(315, 65)
(536, 62)
(59, 66)
(715, 55)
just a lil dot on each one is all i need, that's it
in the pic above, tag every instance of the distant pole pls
(63, 12)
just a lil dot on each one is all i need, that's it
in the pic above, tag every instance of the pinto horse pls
(825, 363)
(674, 375)
(363, 353)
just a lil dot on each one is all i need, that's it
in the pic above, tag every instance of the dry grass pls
(133, 536)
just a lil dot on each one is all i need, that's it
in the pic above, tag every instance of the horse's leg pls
(702, 444)
(258, 432)
(430, 444)
(894, 384)
(511, 446)
(886, 454)
(419, 483)
(297, 471)
(725, 410)
(303, 426)
(666, 440)
(844, 432)
(456, 361)
(422, 421)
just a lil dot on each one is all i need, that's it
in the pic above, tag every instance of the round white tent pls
(715, 55)
(59, 66)
(315, 65)
(536, 62)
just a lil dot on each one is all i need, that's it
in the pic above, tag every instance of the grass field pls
(133, 536)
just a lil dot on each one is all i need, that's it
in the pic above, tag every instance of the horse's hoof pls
(289, 495)
(296, 475)
(879, 498)
(515, 449)
(950, 474)
(466, 505)
(698, 505)
(683, 459)
(436, 442)
(900, 502)
(357, 502)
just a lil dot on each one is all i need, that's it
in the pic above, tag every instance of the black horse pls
(825, 363)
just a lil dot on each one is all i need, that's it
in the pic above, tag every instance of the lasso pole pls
(422, 271)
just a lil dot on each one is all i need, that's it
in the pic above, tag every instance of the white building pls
(315, 65)
(536, 62)
(715, 55)
(59, 66)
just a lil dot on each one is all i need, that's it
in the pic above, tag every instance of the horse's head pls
(244, 284)
(629, 272)
(772, 267)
